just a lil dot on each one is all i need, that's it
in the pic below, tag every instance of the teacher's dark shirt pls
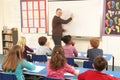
(57, 25)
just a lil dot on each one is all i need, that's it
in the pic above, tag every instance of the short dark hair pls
(100, 63)
(58, 9)
(66, 39)
(42, 40)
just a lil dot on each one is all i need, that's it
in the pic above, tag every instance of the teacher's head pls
(58, 12)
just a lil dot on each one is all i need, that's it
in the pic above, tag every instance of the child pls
(70, 50)
(57, 66)
(13, 63)
(99, 64)
(94, 51)
(44, 48)
(22, 43)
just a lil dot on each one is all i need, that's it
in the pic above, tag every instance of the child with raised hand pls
(44, 46)
(57, 65)
(99, 64)
(13, 63)
(22, 43)
(94, 51)
(70, 50)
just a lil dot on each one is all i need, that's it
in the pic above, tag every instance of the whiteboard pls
(87, 20)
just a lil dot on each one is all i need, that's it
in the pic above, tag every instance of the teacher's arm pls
(62, 21)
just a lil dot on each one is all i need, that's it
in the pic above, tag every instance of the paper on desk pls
(69, 74)
(37, 69)
(104, 56)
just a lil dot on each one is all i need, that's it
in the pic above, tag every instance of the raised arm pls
(62, 21)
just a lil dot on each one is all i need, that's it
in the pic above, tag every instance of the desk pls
(44, 73)
(108, 57)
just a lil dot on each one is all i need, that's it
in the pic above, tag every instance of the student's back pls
(94, 51)
(57, 65)
(70, 51)
(99, 64)
(95, 75)
(14, 64)
(69, 48)
(60, 72)
(22, 43)
(19, 69)
(43, 48)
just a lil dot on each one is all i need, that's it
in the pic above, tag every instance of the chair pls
(46, 78)
(39, 58)
(88, 64)
(4, 76)
(70, 61)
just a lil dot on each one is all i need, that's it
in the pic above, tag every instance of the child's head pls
(11, 60)
(42, 40)
(99, 63)
(57, 59)
(67, 39)
(22, 42)
(94, 42)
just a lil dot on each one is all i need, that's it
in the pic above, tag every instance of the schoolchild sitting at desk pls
(22, 43)
(69, 48)
(57, 65)
(94, 51)
(44, 46)
(99, 64)
(13, 63)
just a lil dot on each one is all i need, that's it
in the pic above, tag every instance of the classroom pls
(10, 16)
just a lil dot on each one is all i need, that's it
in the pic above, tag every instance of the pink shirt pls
(70, 51)
(59, 73)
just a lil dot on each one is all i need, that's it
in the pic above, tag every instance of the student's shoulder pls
(110, 77)
(100, 49)
(71, 46)
(91, 49)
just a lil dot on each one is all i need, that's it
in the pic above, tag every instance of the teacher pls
(57, 29)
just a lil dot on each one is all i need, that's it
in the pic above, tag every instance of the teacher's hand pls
(71, 16)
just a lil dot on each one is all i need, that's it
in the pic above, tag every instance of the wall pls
(11, 18)
(1, 23)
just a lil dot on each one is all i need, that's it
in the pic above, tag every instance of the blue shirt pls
(92, 53)
(19, 69)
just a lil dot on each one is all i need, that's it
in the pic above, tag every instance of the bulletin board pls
(33, 16)
(112, 17)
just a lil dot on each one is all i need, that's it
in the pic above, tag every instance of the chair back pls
(4, 76)
(47, 78)
(70, 61)
(39, 58)
(88, 64)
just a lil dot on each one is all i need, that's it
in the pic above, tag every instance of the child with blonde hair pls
(13, 63)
